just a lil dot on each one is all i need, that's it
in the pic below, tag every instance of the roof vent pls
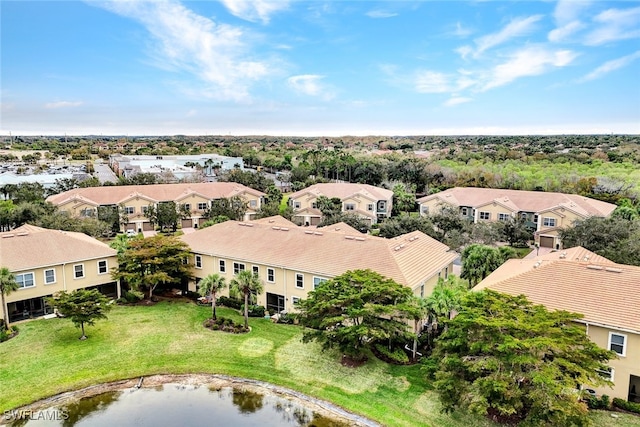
(397, 248)
(360, 239)
(248, 225)
(586, 258)
(275, 228)
(613, 269)
(22, 233)
(308, 232)
(317, 233)
(284, 229)
(563, 255)
(349, 237)
(537, 264)
(594, 267)
(6, 236)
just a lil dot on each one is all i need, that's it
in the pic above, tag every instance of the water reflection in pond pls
(179, 405)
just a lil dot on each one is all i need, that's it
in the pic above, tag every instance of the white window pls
(485, 215)
(25, 280)
(49, 276)
(314, 205)
(317, 281)
(129, 210)
(271, 275)
(237, 267)
(295, 300)
(370, 207)
(299, 280)
(424, 209)
(606, 374)
(87, 212)
(503, 216)
(202, 206)
(102, 267)
(296, 205)
(421, 291)
(548, 222)
(253, 203)
(349, 207)
(464, 211)
(256, 270)
(145, 209)
(535, 219)
(618, 343)
(524, 216)
(187, 206)
(222, 266)
(198, 261)
(78, 271)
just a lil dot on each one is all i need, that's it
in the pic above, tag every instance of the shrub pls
(396, 355)
(594, 402)
(132, 296)
(627, 406)
(230, 302)
(254, 310)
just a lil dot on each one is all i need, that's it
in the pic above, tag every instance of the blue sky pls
(328, 68)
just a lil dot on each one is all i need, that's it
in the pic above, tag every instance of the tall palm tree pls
(247, 283)
(8, 284)
(417, 309)
(211, 285)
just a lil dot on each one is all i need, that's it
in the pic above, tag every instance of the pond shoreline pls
(214, 381)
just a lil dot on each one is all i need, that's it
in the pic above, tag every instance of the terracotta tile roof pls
(28, 247)
(408, 259)
(109, 195)
(275, 220)
(342, 228)
(344, 190)
(522, 201)
(606, 293)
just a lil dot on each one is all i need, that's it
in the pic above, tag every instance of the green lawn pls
(47, 358)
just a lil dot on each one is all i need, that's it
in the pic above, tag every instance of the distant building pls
(580, 281)
(135, 199)
(47, 261)
(545, 212)
(47, 180)
(368, 202)
(178, 166)
(293, 260)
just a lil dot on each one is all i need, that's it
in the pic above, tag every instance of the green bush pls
(396, 355)
(627, 406)
(254, 310)
(132, 296)
(602, 403)
(230, 302)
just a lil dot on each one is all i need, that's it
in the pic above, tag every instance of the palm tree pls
(8, 284)
(211, 285)
(417, 309)
(247, 283)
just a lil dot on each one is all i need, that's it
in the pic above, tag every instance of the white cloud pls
(530, 61)
(376, 14)
(567, 11)
(516, 28)
(310, 84)
(255, 10)
(610, 66)
(615, 24)
(63, 104)
(431, 82)
(216, 53)
(460, 31)
(457, 100)
(562, 33)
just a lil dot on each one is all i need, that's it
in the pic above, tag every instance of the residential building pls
(47, 261)
(606, 293)
(180, 166)
(546, 213)
(135, 199)
(369, 202)
(293, 260)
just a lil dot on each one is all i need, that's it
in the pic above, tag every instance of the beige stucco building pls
(369, 202)
(546, 213)
(293, 260)
(579, 281)
(47, 261)
(135, 199)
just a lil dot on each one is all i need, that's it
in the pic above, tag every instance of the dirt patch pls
(351, 362)
(214, 382)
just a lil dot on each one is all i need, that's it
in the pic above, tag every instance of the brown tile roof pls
(342, 228)
(115, 194)
(605, 293)
(28, 247)
(522, 201)
(344, 190)
(408, 259)
(275, 220)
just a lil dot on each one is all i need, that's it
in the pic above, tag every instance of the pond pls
(172, 404)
